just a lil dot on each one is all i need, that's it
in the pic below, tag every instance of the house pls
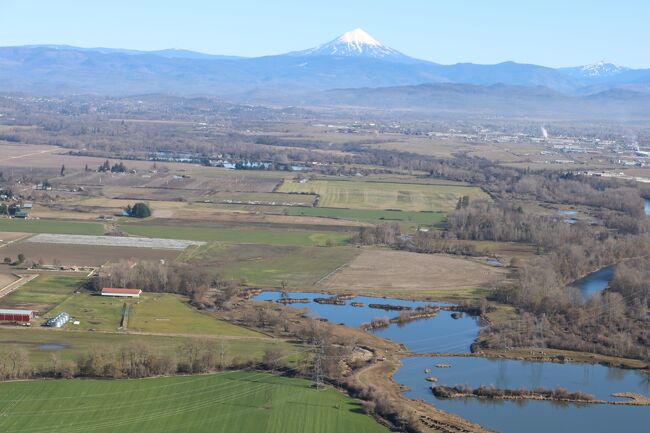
(23, 316)
(122, 293)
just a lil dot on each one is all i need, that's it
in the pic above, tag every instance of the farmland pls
(382, 195)
(70, 344)
(398, 273)
(270, 265)
(43, 293)
(368, 215)
(51, 226)
(116, 241)
(83, 255)
(225, 402)
(153, 313)
(242, 235)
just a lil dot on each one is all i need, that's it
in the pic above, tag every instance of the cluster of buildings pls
(26, 316)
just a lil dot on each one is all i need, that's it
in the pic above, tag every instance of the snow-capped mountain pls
(596, 70)
(355, 43)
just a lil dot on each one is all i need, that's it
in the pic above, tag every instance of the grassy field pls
(243, 402)
(269, 265)
(157, 313)
(166, 313)
(44, 292)
(69, 344)
(241, 235)
(369, 215)
(381, 195)
(51, 226)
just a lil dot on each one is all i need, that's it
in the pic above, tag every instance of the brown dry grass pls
(83, 255)
(6, 278)
(377, 271)
(236, 216)
(6, 237)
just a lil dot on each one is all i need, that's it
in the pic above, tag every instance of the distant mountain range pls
(354, 60)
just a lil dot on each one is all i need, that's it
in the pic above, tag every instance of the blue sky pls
(547, 32)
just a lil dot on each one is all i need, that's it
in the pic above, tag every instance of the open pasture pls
(155, 313)
(243, 402)
(69, 343)
(162, 313)
(400, 273)
(370, 216)
(29, 157)
(226, 216)
(241, 234)
(177, 180)
(378, 195)
(270, 265)
(43, 293)
(51, 226)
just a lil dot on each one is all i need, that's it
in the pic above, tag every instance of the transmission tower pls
(318, 366)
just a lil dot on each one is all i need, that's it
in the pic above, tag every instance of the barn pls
(122, 293)
(22, 316)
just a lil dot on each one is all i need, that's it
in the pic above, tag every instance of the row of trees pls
(133, 360)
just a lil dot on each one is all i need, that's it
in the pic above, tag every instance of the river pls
(530, 416)
(439, 334)
(443, 334)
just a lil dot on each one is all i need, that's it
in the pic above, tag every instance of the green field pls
(369, 215)
(270, 265)
(157, 313)
(241, 235)
(242, 402)
(166, 313)
(69, 344)
(383, 195)
(51, 226)
(44, 292)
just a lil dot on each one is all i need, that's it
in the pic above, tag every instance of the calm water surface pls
(444, 334)
(532, 416)
(441, 334)
(594, 282)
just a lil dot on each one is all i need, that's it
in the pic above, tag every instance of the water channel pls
(444, 334)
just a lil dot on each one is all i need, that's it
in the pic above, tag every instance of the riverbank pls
(380, 374)
(561, 356)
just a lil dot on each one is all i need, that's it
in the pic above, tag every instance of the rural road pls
(27, 154)
(12, 287)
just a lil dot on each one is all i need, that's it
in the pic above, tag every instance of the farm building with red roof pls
(124, 293)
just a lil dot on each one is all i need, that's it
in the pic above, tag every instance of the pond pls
(647, 206)
(530, 416)
(51, 346)
(594, 282)
(441, 334)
